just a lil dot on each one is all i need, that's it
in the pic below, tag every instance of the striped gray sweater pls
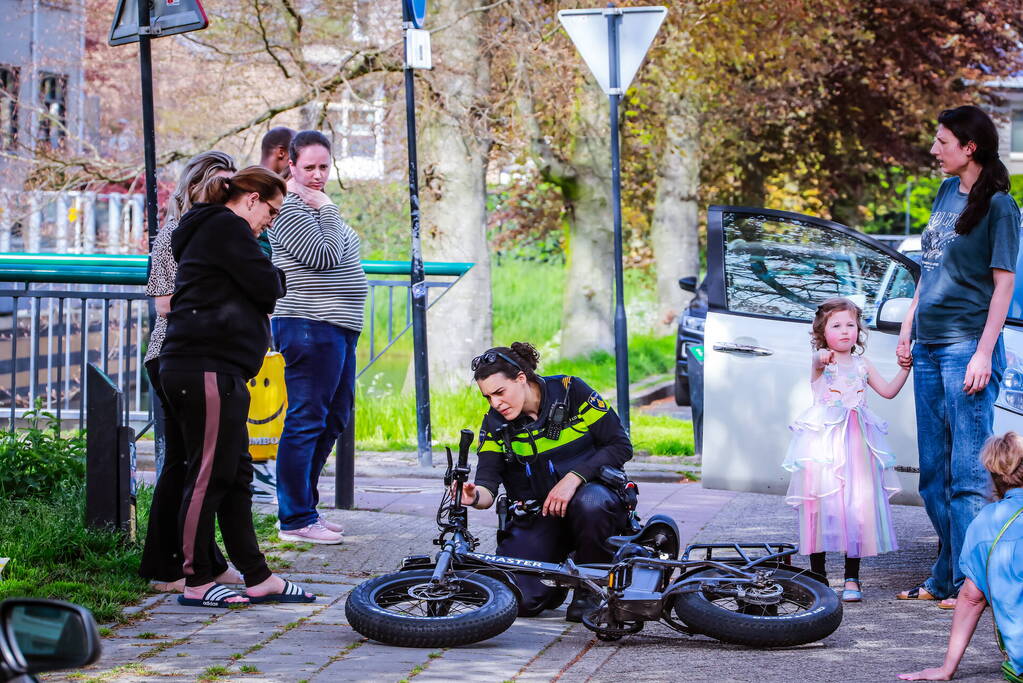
(319, 253)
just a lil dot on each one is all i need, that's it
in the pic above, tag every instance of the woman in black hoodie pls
(217, 334)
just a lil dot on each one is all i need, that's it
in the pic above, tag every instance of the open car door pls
(767, 271)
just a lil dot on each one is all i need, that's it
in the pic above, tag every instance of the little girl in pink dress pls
(842, 470)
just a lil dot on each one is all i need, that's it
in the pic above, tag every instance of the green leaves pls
(37, 460)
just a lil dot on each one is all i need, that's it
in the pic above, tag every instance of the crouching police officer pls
(558, 449)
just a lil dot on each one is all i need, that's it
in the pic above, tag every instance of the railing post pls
(344, 467)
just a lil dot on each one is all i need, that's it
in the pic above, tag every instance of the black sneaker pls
(583, 602)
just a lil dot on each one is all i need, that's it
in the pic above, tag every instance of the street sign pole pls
(421, 366)
(149, 149)
(166, 18)
(613, 42)
(621, 322)
(148, 119)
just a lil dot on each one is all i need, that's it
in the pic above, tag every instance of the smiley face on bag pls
(267, 407)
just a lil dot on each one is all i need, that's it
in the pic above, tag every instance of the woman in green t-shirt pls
(966, 282)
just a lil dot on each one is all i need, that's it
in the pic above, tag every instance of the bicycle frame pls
(636, 578)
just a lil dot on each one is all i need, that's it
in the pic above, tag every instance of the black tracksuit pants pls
(210, 409)
(594, 513)
(161, 555)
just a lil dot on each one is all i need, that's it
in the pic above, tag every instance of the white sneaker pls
(314, 533)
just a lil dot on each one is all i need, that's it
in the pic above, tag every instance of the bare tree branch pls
(266, 40)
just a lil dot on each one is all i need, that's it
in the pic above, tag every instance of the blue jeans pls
(952, 427)
(319, 372)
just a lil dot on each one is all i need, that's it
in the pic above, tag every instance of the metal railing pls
(64, 312)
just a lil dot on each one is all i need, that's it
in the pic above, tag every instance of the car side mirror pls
(687, 283)
(891, 315)
(47, 635)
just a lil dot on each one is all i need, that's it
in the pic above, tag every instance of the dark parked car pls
(690, 334)
(37, 636)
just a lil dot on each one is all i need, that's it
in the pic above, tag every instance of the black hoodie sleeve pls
(613, 446)
(238, 254)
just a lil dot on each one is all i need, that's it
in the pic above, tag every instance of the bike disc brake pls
(433, 591)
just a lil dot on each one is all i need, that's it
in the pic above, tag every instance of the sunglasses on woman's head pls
(491, 357)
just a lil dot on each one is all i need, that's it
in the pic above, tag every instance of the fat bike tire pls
(808, 611)
(403, 609)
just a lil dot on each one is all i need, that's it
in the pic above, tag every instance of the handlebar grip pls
(450, 461)
(463, 447)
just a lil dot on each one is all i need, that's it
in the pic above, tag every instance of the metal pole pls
(418, 277)
(148, 122)
(149, 146)
(344, 467)
(621, 325)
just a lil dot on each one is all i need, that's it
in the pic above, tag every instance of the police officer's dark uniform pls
(575, 431)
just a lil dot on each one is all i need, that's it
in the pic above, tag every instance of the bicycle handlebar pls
(463, 447)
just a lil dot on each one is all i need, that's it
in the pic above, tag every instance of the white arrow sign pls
(588, 29)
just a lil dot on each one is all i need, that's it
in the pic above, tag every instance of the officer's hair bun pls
(529, 355)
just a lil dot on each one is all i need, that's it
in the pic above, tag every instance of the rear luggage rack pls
(746, 554)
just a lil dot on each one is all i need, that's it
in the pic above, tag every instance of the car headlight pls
(1011, 394)
(691, 323)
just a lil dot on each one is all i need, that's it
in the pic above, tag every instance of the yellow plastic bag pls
(267, 407)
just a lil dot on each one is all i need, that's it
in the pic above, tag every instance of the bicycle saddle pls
(659, 533)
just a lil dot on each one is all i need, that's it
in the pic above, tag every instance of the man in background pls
(274, 157)
(274, 150)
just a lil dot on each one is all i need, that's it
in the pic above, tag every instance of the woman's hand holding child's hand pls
(904, 352)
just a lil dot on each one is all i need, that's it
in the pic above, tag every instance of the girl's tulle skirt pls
(842, 478)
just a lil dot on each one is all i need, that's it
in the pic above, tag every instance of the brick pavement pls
(166, 642)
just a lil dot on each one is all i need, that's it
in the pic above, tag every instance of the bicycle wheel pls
(406, 609)
(789, 609)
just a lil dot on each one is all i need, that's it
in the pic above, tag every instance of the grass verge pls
(54, 555)
(388, 422)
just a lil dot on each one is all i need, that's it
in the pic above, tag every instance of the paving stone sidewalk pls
(166, 642)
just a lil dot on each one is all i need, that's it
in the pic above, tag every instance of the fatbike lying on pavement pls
(743, 593)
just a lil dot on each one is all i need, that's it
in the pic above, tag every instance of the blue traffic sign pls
(415, 11)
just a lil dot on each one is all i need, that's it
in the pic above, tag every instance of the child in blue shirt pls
(995, 575)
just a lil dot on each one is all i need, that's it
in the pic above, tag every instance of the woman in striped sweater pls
(316, 326)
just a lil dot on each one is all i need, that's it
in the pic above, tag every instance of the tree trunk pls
(587, 314)
(454, 144)
(674, 228)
